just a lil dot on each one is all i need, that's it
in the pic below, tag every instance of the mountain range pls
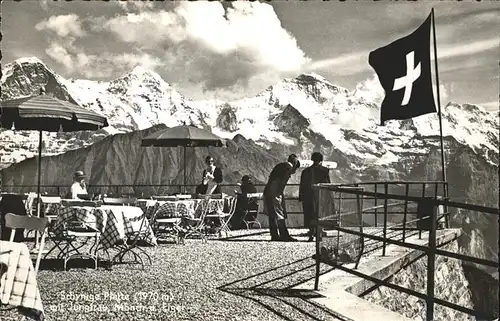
(299, 115)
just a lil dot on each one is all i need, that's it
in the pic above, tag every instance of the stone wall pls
(485, 289)
(450, 285)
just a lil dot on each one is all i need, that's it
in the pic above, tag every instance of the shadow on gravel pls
(58, 264)
(273, 290)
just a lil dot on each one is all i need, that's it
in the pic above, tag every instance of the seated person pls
(242, 204)
(78, 186)
(11, 203)
(211, 178)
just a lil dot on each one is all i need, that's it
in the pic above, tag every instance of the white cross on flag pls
(404, 70)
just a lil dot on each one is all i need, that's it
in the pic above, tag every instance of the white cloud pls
(443, 93)
(466, 49)
(343, 65)
(63, 25)
(76, 61)
(357, 62)
(491, 105)
(60, 54)
(221, 49)
(371, 90)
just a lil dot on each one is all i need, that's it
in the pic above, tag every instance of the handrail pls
(438, 201)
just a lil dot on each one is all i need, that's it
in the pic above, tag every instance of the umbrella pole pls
(39, 200)
(40, 139)
(184, 189)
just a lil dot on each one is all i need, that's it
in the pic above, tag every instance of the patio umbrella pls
(46, 113)
(186, 136)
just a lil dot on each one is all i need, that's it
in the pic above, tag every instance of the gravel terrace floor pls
(243, 278)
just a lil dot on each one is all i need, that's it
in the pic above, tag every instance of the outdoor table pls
(108, 219)
(184, 208)
(215, 205)
(18, 286)
(189, 208)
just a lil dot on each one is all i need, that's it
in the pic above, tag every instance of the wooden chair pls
(14, 221)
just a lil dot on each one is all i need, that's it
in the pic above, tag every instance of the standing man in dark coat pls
(314, 174)
(274, 200)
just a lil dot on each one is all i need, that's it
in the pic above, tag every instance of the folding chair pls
(223, 218)
(14, 221)
(252, 211)
(130, 244)
(196, 225)
(72, 230)
(170, 225)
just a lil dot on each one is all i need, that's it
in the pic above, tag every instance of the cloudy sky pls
(230, 50)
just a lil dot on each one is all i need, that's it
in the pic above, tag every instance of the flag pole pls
(443, 168)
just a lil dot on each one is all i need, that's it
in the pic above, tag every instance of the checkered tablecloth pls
(18, 286)
(185, 208)
(182, 208)
(125, 219)
(148, 206)
(109, 220)
(215, 205)
(50, 208)
(93, 217)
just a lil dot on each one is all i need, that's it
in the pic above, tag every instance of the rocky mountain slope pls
(296, 115)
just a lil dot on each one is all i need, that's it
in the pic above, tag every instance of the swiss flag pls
(403, 68)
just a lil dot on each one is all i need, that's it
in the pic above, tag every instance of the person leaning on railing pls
(274, 199)
(314, 174)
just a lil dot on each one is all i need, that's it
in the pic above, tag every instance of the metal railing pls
(428, 222)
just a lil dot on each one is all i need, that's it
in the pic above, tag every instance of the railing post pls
(423, 195)
(436, 185)
(359, 206)
(117, 191)
(445, 207)
(407, 191)
(316, 191)
(431, 260)
(386, 191)
(376, 209)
